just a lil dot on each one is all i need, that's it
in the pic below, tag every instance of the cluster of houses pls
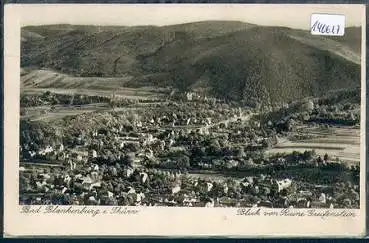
(105, 165)
(122, 185)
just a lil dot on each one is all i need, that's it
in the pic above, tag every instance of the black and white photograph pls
(212, 111)
(172, 120)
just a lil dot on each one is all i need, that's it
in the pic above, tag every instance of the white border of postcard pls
(151, 221)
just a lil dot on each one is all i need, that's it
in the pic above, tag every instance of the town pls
(187, 150)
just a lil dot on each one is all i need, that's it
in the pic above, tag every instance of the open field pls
(44, 78)
(46, 114)
(40, 81)
(337, 142)
(128, 93)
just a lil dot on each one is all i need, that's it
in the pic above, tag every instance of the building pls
(189, 96)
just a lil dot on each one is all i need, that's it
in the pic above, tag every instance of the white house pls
(189, 96)
(322, 198)
(176, 188)
(128, 172)
(188, 121)
(209, 186)
(31, 153)
(283, 184)
(49, 149)
(79, 157)
(131, 190)
(72, 164)
(93, 154)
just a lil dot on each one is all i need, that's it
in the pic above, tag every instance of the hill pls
(352, 38)
(233, 60)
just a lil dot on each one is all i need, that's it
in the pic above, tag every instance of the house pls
(176, 189)
(283, 184)
(189, 96)
(322, 198)
(45, 176)
(46, 150)
(188, 201)
(95, 176)
(305, 193)
(149, 139)
(139, 197)
(177, 149)
(90, 181)
(232, 164)
(128, 172)
(49, 149)
(171, 142)
(188, 121)
(256, 124)
(92, 200)
(92, 154)
(209, 186)
(64, 190)
(67, 179)
(60, 148)
(149, 153)
(72, 164)
(95, 167)
(138, 124)
(94, 133)
(32, 153)
(131, 190)
(79, 157)
(281, 160)
(249, 180)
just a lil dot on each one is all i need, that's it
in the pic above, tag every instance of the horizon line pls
(166, 25)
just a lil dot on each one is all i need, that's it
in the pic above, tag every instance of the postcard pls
(233, 120)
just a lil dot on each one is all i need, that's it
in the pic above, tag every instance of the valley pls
(205, 114)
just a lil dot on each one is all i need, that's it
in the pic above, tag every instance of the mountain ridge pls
(235, 60)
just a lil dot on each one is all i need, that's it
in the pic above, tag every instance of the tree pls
(151, 162)
(132, 147)
(198, 152)
(184, 162)
(214, 147)
(308, 155)
(24, 183)
(129, 159)
(113, 101)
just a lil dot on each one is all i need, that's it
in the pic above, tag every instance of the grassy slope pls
(236, 60)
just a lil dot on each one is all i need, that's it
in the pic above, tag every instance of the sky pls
(293, 16)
